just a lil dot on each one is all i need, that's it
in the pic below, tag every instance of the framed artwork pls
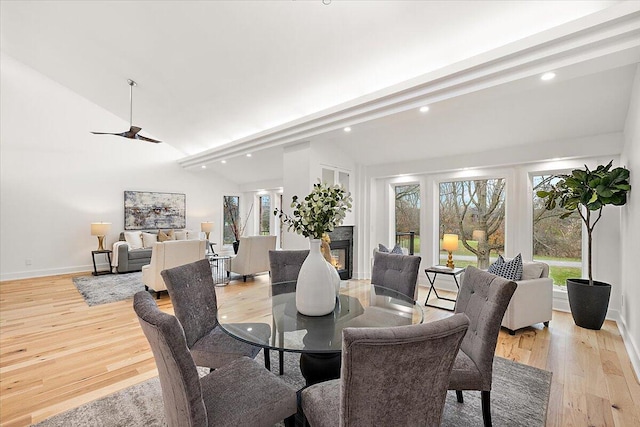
(148, 211)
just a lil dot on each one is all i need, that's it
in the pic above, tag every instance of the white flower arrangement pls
(319, 212)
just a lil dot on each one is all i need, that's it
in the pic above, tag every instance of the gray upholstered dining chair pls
(240, 393)
(390, 376)
(397, 272)
(193, 295)
(483, 297)
(284, 266)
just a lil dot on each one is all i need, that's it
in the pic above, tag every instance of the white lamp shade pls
(207, 227)
(450, 242)
(100, 228)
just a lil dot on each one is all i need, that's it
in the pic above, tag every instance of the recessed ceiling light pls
(248, 154)
(424, 109)
(223, 161)
(347, 129)
(547, 76)
(204, 166)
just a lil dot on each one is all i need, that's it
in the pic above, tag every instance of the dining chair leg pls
(281, 362)
(267, 359)
(459, 396)
(486, 408)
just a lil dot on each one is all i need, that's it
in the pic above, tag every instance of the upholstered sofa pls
(253, 256)
(169, 254)
(532, 301)
(130, 253)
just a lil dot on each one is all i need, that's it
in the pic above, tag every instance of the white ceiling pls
(213, 73)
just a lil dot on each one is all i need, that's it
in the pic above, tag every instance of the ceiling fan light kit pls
(133, 132)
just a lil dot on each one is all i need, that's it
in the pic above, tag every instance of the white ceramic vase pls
(315, 291)
(335, 277)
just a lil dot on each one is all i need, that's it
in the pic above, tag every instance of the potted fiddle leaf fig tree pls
(587, 192)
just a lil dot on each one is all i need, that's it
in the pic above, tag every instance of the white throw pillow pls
(193, 235)
(134, 239)
(180, 235)
(531, 270)
(148, 239)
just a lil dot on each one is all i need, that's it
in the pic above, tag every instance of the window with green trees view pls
(265, 214)
(231, 219)
(407, 215)
(474, 210)
(557, 242)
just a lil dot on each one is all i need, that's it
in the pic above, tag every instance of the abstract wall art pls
(147, 211)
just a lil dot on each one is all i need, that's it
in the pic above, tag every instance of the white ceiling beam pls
(608, 32)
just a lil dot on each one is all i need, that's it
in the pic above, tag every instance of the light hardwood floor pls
(57, 353)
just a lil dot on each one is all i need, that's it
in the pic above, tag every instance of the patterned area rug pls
(519, 398)
(98, 290)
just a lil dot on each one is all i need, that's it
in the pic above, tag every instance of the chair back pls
(169, 254)
(398, 376)
(483, 297)
(253, 255)
(193, 295)
(181, 390)
(285, 265)
(397, 272)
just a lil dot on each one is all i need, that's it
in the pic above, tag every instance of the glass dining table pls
(317, 339)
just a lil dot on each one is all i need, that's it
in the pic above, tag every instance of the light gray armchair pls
(240, 393)
(253, 256)
(483, 297)
(532, 301)
(390, 376)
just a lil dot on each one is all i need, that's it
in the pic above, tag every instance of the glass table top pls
(358, 305)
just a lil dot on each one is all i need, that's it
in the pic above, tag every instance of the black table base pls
(319, 367)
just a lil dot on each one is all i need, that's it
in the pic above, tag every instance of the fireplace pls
(342, 250)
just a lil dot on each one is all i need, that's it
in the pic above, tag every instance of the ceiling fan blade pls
(132, 133)
(144, 138)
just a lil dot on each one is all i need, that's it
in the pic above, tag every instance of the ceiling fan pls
(132, 133)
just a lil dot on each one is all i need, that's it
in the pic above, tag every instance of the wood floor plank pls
(57, 353)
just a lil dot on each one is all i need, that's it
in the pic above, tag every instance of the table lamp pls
(450, 244)
(100, 229)
(207, 227)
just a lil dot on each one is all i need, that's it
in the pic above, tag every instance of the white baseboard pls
(50, 272)
(630, 345)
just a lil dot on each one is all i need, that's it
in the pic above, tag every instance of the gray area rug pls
(519, 397)
(98, 290)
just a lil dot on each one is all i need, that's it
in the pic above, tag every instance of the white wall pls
(630, 232)
(57, 178)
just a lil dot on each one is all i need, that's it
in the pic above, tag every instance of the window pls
(407, 213)
(474, 210)
(265, 215)
(231, 219)
(557, 242)
(281, 224)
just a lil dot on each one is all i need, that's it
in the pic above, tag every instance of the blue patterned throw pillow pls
(382, 248)
(397, 250)
(511, 270)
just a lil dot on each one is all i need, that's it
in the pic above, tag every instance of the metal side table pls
(219, 269)
(438, 269)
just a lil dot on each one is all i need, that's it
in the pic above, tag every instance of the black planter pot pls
(236, 245)
(588, 304)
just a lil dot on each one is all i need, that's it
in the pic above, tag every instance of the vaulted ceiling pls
(219, 79)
